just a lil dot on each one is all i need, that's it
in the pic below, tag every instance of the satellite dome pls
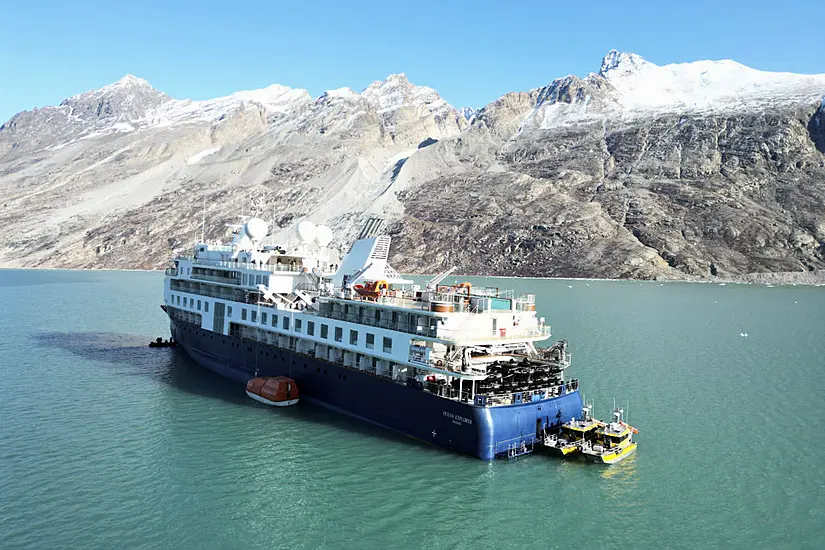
(256, 229)
(307, 231)
(323, 236)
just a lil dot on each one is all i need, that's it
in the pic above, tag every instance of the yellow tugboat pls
(612, 442)
(573, 434)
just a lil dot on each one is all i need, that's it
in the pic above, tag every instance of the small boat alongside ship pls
(572, 435)
(611, 442)
(276, 391)
(161, 343)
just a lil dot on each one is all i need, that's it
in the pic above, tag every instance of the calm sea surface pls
(106, 443)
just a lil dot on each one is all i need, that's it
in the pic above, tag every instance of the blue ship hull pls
(484, 432)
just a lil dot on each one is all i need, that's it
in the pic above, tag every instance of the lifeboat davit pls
(372, 290)
(278, 391)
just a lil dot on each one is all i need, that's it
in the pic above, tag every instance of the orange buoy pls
(278, 391)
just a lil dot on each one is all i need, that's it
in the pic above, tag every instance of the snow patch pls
(341, 93)
(639, 88)
(123, 127)
(276, 98)
(194, 159)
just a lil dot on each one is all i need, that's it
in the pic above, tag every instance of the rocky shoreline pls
(796, 279)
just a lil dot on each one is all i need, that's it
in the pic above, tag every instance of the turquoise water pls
(107, 443)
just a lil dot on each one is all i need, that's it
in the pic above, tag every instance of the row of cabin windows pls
(338, 334)
(254, 280)
(190, 302)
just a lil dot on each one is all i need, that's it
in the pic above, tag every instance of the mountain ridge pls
(580, 177)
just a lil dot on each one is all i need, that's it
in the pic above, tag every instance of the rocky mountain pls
(468, 112)
(700, 170)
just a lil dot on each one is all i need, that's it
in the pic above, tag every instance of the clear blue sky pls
(471, 52)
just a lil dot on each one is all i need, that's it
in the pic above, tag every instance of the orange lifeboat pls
(372, 290)
(278, 391)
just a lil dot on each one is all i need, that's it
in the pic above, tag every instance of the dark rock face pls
(671, 197)
(816, 128)
(579, 178)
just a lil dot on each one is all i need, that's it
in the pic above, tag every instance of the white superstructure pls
(356, 311)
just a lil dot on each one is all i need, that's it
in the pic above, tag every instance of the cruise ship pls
(455, 365)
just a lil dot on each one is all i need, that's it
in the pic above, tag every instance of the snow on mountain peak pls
(275, 98)
(616, 63)
(709, 85)
(343, 94)
(396, 91)
(131, 80)
(628, 87)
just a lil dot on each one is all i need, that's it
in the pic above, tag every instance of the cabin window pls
(353, 337)
(263, 317)
(298, 324)
(370, 340)
(244, 279)
(377, 314)
(311, 328)
(394, 316)
(243, 314)
(229, 311)
(324, 331)
(339, 334)
(199, 305)
(178, 300)
(206, 307)
(185, 303)
(275, 321)
(254, 316)
(387, 345)
(286, 323)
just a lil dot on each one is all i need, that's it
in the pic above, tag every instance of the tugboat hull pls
(612, 456)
